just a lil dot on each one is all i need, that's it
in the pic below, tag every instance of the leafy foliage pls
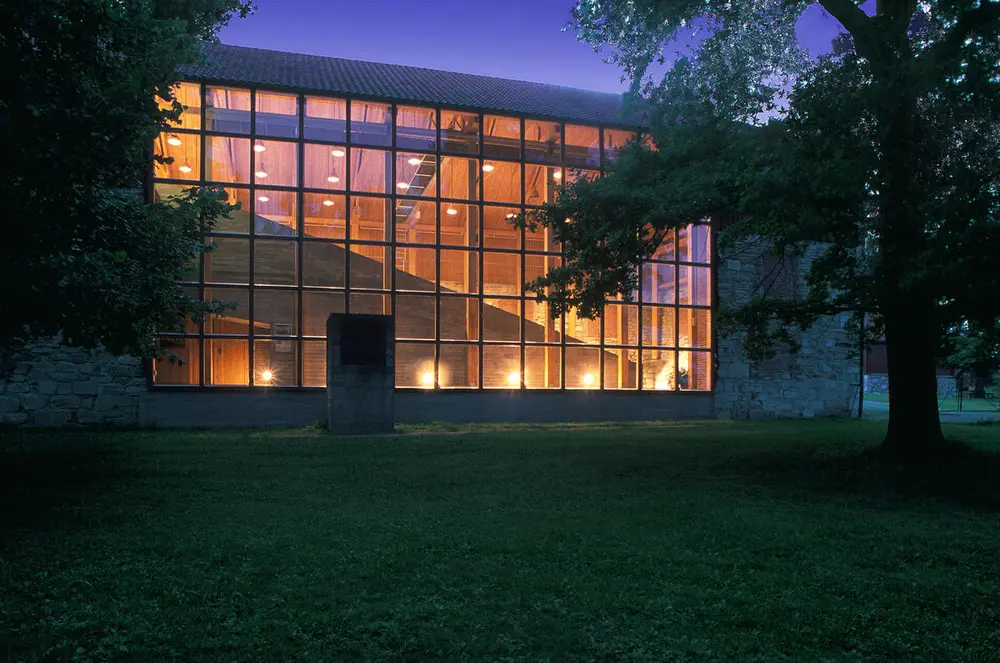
(78, 114)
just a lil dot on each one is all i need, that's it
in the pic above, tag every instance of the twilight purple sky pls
(518, 39)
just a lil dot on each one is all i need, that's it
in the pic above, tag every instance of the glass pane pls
(583, 368)
(275, 362)
(621, 324)
(695, 328)
(540, 326)
(325, 167)
(326, 119)
(693, 244)
(274, 262)
(324, 264)
(275, 312)
(536, 266)
(695, 371)
(227, 361)
(415, 316)
(459, 318)
(614, 140)
(185, 150)
(371, 123)
(658, 284)
(575, 174)
(238, 221)
(502, 367)
(695, 285)
(416, 222)
(542, 141)
(415, 174)
(458, 366)
(416, 128)
(459, 132)
(324, 215)
(368, 218)
(316, 308)
(276, 163)
(415, 365)
(177, 361)
(227, 110)
(313, 363)
(540, 184)
(621, 368)
(459, 224)
(658, 369)
(582, 330)
(277, 115)
(236, 319)
(502, 274)
(370, 169)
(459, 178)
(274, 213)
(502, 182)
(502, 320)
(666, 248)
(227, 159)
(583, 145)
(658, 325)
(459, 271)
(502, 137)
(229, 261)
(542, 239)
(498, 233)
(542, 367)
(416, 269)
(371, 267)
(371, 304)
(189, 96)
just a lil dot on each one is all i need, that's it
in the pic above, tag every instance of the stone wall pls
(48, 384)
(878, 383)
(820, 380)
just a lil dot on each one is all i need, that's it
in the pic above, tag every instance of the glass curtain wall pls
(365, 207)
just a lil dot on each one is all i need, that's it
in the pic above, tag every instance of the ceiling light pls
(263, 199)
(261, 174)
(402, 185)
(511, 215)
(414, 161)
(338, 153)
(452, 211)
(259, 148)
(488, 168)
(588, 379)
(557, 175)
(327, 203)
(267, 376)
(333, 178)
(185, 168)
(514, 378)
(175, 141)
(427, 379)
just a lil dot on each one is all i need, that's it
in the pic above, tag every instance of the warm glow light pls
(259, 148)
(333, 178)
(328, 203)
(175, 141)
(514, 378)
(185, 168)
(261, 174)
(263, 199)
(427, 379)
(487, 168)
(588, 379)
(452, 211)
(557, 175)
(510, 216)
(414, 161)
(402, 185)
(338, 153)
(267, 376)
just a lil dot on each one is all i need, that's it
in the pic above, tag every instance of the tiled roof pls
(337, 76)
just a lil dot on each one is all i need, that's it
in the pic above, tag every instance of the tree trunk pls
(911, 343)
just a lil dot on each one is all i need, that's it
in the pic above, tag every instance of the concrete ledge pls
(236, 409)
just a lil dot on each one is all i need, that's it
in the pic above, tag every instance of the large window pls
(368, 207)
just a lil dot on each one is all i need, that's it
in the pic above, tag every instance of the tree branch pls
(969, 24)
(854, 20)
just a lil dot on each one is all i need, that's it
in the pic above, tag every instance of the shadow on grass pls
(960, 475)
(45, 475)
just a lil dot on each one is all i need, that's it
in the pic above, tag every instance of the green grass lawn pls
(688, 541)
(951, 404)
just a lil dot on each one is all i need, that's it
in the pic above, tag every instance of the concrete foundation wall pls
(48, 384)
(821, 380)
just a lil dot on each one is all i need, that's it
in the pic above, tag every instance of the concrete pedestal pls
(360, 374)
